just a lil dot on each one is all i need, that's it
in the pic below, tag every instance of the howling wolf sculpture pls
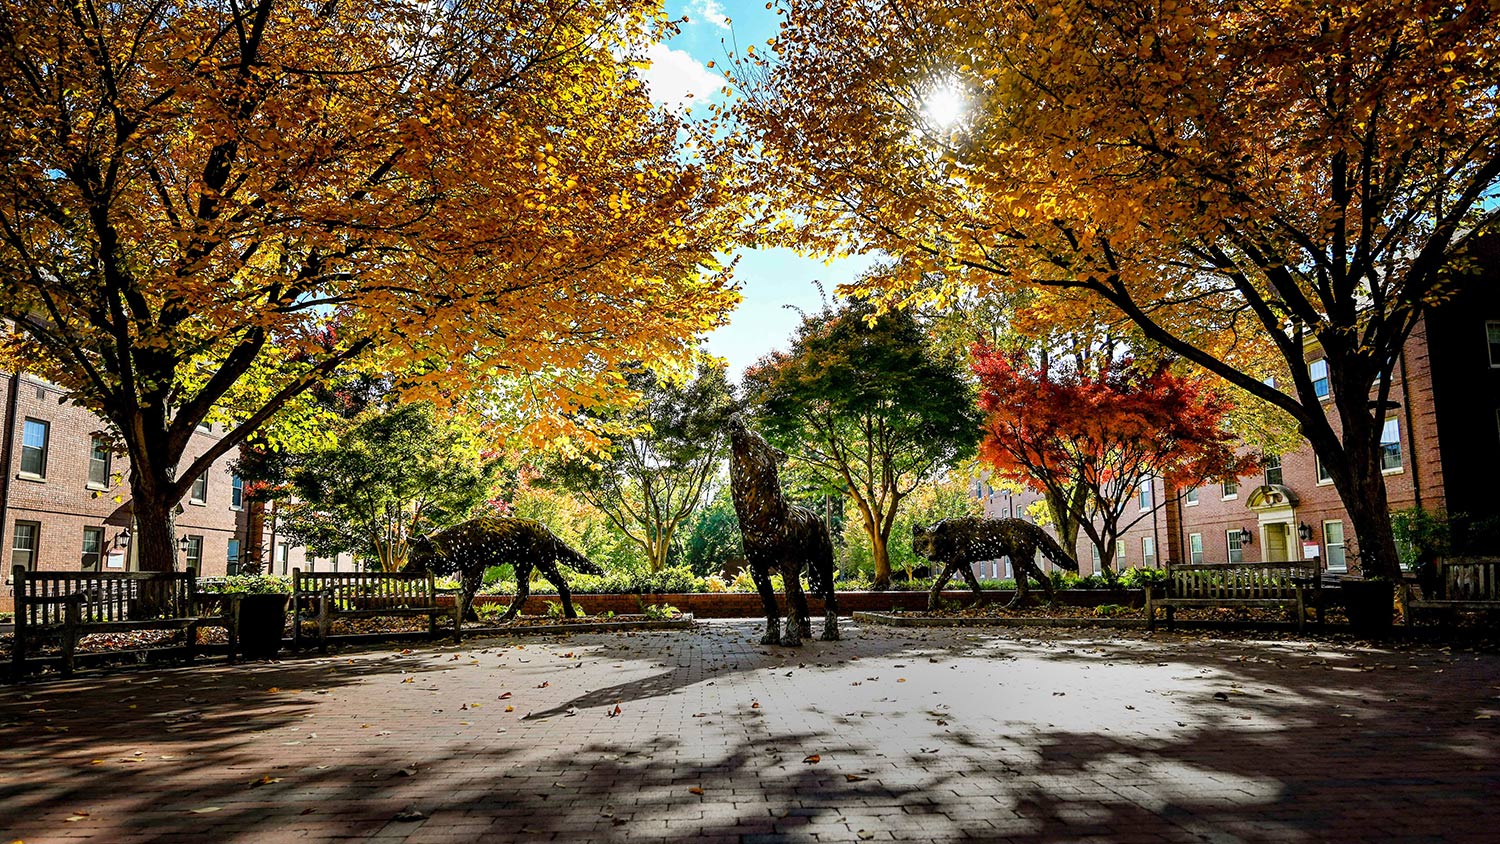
(959, 543)
(780, 537)
(469, 548)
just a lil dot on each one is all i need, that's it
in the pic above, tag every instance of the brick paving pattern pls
(919, 735)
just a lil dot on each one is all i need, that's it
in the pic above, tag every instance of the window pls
(1492, 332)
(195, 553)
(1145, 494)
(1195, 548)
(232, 564)
(93, 548)
(1231, 489)
(1272, 464)
(1333, 545)
(283, 552)
(1236, 548)
(1120, 557)
(1191, 499)
(206, 426)
(34, 448)
(1323, 476)
(24, 546)
(1390, 446)
(1148, 552)
(1094, 553)
(98, 462)
(200, 489)
(236, 492)
(1318, 372)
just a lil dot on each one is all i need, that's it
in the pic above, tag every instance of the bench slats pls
(1239, 584)
(328, 596)
(1470, 584)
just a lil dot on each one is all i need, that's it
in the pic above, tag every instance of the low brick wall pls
(746, 605)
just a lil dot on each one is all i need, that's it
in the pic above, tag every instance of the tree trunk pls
(155, 537)
(880, 550)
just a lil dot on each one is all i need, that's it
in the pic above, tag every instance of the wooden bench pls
(1465, 585)
(328, 596)
(68, 605)
(1294, 585)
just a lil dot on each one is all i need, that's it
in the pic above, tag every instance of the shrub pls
(255, 584)
(626, 582)
(1136, 578)
(660, 612)
(1111, 610)
(715, 583)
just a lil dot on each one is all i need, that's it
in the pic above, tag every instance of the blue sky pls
(770, 279)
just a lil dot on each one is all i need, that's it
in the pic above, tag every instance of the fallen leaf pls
(1220, 696)
(755, 704)
(205, 810)
(854, 778)
(545, 684)
(813, 759)
(267, 780)
(409, 815)
(505, 696)
(510, 709)
(406, 772)
(695, 790)
(615, 711)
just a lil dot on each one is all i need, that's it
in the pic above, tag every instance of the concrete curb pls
(683, 622)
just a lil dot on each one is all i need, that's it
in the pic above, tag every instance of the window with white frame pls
(1333, 545)
(1272, 465)
(1492, 333)
(25, 540)
(34, 437)
(99, 458)
(1324, 477)
(195, 553)
(93, 548)
(283, 555)
(1390, 445)
(232, 561)
(1148, 552)
(1094, 554)
(1119, 556)
(1318, 371)
(1195, 548)
(236, 492)
(1191, 499)
(1231, 489)
(1145, 494)
(1235, 544)
(199, 495)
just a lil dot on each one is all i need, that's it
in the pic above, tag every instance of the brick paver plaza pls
(887, 735)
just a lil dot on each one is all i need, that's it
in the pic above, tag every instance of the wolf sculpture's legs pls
(523, 589)
(796, 609)
(762, 577)
(556, 578)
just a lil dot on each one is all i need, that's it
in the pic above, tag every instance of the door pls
(1278, 543)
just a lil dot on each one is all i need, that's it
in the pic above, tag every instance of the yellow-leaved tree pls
(208, 206)
(1238, 180)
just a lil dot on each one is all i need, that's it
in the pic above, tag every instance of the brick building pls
(65, 504)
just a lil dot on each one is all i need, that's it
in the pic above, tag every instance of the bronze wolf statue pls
(469, 548)
(959, 543)
(779, 537)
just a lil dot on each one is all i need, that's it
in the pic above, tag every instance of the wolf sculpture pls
(467, 549)
(959, 543)
(779, 537)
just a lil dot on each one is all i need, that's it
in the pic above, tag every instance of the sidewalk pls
(908, 735)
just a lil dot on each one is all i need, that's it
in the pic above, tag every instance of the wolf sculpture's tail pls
(1054, 552)
(576, 561)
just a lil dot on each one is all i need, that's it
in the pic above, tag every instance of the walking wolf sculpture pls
(779, 537)
(959, 543)
(468, 549)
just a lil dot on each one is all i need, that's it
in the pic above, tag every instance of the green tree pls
(949, 495)
(396, 472)
(650, 482)
(714, 537)
(866, 404)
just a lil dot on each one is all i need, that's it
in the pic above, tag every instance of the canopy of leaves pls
(395, 473)
(1236, 179)
(211, 205)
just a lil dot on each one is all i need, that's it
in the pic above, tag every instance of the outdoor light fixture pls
(122, 538)
(182, 544)
(1246, 536)
(1304, 530)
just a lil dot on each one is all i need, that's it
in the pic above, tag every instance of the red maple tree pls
(1107, 432)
